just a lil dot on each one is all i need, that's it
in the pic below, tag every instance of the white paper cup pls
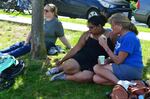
(101, 59)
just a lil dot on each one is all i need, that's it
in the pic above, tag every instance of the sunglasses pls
(91, 27)
(45, 10)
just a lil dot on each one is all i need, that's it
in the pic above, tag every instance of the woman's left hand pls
(103, 41)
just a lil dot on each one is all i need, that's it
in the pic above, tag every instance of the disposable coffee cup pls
(101, 59)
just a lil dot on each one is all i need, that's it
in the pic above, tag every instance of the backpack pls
(139, 91)
(9, 69)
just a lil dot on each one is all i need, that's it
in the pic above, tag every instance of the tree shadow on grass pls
(146, 71)
(34, 84)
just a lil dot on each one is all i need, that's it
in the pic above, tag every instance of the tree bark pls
(38, 49)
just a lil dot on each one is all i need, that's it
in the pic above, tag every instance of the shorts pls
(126, 72)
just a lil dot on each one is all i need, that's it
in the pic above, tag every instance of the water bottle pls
(141, 97)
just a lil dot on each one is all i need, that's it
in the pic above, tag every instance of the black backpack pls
(9, 69)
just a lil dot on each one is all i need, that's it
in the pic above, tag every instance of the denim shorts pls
(126, 72)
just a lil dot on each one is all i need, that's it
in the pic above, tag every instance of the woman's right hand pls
(103, 41)
(58, 62)
(26, 43)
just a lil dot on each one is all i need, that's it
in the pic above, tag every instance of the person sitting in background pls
(127, 57)
(78, 63)
(53, 29)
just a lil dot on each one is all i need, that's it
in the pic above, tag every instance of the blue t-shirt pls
(130, 44)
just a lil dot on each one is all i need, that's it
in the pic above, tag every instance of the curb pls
(66, 25)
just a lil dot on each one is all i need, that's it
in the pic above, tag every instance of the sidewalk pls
(66, 25)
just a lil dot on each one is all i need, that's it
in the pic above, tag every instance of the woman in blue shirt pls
(127, 58)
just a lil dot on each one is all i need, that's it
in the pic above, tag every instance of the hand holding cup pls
(101, 59)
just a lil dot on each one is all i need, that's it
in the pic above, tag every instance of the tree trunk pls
(38, 49)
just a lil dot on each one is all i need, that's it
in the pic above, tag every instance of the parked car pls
(1, 3)
(88, 8)
(142, 13)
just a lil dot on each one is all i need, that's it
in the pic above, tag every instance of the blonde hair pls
(53, 9)
(121, 19)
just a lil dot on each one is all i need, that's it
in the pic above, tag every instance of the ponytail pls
(133, 28)
(120, 18)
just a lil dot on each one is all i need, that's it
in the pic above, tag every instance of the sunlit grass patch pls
(34, 84)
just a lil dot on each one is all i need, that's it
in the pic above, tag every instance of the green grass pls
(72, 20)
(15, 14)
(33, 84)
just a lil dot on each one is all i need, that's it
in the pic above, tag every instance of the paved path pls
(66, 25)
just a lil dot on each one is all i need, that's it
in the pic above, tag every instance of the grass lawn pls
(33, 84)
(72, 20)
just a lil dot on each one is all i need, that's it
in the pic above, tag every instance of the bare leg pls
(99, 80)
(84, 76)
(106, 72)
(72, 72)
(71, 66)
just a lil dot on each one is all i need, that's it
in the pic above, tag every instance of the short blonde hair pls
(124, 21)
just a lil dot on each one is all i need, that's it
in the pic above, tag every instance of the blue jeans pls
(17, 49)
